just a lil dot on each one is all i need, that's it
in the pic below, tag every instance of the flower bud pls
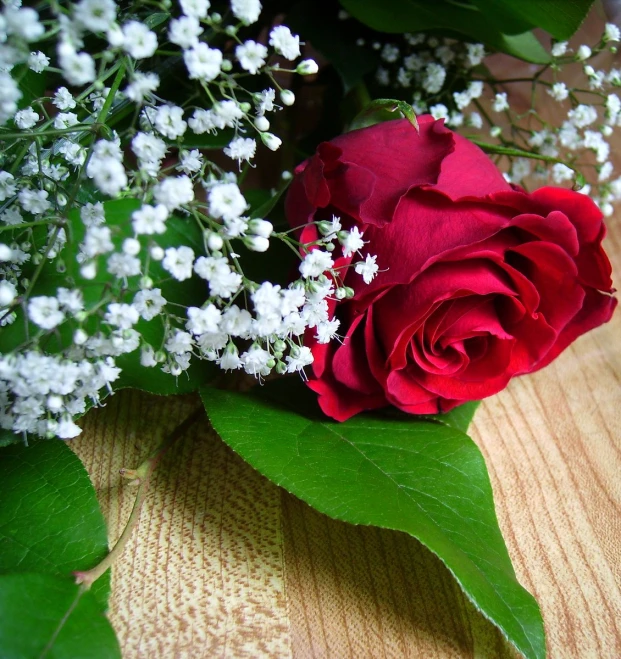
(89, 270)
(256, 243)
(270, 363)
(340, 293)
(131, 246)
(214, 241)
(80, 316)
(231, 30)
(54, 403)
(245, 107)
(349, 292)
(286, 175)
(157, 253)
(6, 253)
(146, 282)
(271, 141)
(281, 367)
(307, 67)
(329, 247)
(226, 65)
(262, 124)
(80, 337)
(279, 345)
(261, 228)
(287, 96)
(7, 293)
(160, 356)
(215, 17)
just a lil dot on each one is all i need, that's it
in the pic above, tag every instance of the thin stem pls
(143, 473)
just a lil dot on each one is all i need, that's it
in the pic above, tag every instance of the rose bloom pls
(479, 281)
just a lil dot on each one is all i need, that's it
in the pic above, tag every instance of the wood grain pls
(224, 564)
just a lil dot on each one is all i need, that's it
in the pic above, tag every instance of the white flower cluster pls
(426, 65)
(432, 66)
(69, 174)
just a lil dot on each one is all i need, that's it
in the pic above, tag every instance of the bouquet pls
(341, 225)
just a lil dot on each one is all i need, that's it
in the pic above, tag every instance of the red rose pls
(478, 281)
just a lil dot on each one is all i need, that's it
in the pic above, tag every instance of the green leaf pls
(560, 18)
(157, 18)
(46, 616)
(399, 16)
(50, 520)
(459, 417)
(7, 438)
(425, 478)
(262, 210)
(317, 22)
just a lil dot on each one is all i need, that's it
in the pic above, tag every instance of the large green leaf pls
(398, 16)
(419, 476)
(47, 616)
(560, 18)
(50, 521)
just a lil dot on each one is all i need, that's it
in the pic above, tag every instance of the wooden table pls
(225, 564)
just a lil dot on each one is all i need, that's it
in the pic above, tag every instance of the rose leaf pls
(422, 477)
(42, 615)
(50, 520)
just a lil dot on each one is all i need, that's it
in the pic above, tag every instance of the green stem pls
(144, 474)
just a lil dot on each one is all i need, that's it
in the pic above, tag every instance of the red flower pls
(478, 281)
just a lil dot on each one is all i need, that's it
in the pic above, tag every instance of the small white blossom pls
(475, 53)
(435, 75)
(203, 63)
(123, 265)
(500, 102)
(226, 201)
(559, 49)
(138, 41)
(582, 115)
(142, 86)
(63, 99)
(174, 192)
(315, 263)
(558, 91)
(561, 173)
(38, 62)
(241, 148)
(367, 268)
(247, 11)
(178, 261)
(95, 15)
(184, 31)
(285, 43)
(45, 312)
(300, 357)
(251, 56)
(26, 118)
(149, 303)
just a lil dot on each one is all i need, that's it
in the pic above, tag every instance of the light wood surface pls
(224, 564)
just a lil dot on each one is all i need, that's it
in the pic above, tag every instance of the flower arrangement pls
(238, 200)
